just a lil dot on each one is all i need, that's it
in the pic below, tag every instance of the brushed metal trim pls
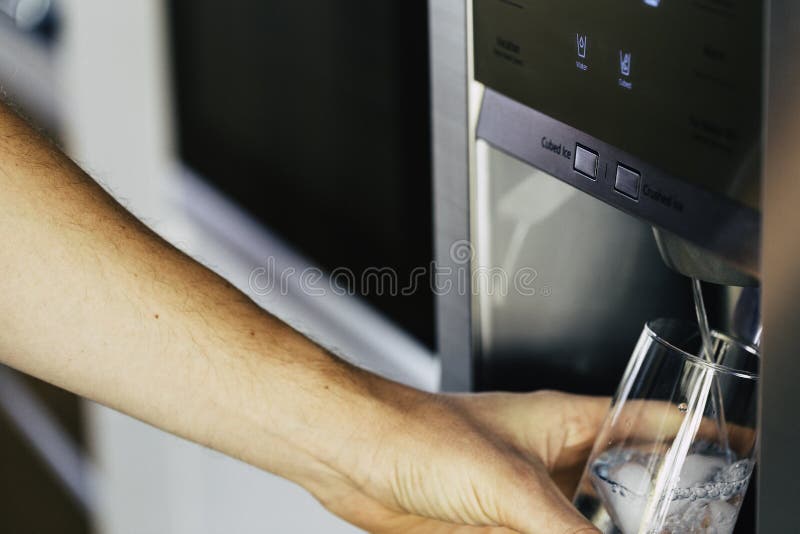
(449, 75)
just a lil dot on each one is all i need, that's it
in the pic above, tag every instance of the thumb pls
(537, 506)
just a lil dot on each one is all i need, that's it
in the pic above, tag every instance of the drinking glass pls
(676, 453)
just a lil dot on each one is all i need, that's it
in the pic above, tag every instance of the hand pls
(498, 463)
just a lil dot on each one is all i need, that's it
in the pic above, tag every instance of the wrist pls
(336, 416)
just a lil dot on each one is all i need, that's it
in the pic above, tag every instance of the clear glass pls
(676, 453)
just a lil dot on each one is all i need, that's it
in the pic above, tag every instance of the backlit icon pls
(652, 3)
(625, 63)
(583, 44)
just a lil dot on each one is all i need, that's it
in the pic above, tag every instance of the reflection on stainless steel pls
(746, 323)
(696, 262)
(597, 278)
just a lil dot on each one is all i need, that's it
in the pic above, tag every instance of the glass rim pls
(695, 359)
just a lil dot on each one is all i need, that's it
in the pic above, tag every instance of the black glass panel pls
(314, 116)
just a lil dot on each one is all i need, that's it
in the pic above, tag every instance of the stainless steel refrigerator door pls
(780, 433)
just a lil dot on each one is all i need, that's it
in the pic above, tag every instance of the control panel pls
(653, 106)
(622, 179)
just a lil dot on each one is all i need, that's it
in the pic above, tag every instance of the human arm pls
(92, 301)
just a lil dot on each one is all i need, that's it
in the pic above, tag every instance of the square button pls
(628, 181)
(586, 162)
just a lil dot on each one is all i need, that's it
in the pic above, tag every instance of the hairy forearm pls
(92, 301)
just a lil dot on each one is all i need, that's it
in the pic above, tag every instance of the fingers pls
(409, 524)
(545, 423)
(470, 472)
(580, 421)
(555, 428)
(654, 422)
(535, 505)
(372, 516)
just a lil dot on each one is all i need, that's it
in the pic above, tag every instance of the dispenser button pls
(586, 162)
(628, 181)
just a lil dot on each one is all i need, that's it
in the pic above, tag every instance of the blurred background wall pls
(240, 131)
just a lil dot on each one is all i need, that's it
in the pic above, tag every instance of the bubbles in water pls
(705, 500)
